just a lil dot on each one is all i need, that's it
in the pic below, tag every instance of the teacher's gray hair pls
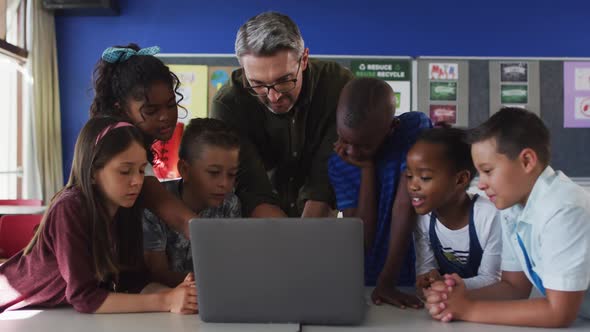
(268, 33)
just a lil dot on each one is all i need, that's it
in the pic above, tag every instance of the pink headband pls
(111, 127)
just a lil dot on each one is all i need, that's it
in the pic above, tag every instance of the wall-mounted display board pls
(514, 83)
(443, 90)
(395, 70)
(576, 94)
(200, 75)
(467, 90)
(536, 84)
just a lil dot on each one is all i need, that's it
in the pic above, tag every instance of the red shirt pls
(59, 270)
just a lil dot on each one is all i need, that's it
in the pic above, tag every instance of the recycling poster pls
(397, 73)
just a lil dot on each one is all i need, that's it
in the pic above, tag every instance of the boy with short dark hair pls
(208, 163)
(367, 173)
(545, 226)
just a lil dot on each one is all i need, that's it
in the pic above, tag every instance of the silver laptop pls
(307, 271)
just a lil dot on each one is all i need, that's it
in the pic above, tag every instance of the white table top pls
(386, 318)
(19, 209)
(382, 318)
(66, 320)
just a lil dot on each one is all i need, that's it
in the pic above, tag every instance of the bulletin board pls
(541, 78)
(465, 90)
(395, 70)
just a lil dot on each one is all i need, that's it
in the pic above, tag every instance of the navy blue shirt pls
(390, 165)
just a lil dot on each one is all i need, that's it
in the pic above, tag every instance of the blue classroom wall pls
(532, 28)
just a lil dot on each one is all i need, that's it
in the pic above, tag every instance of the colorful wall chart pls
(443, 92)
(193, 87)
(576, 94)
(443, 113)
(218, 76)
(514, 84)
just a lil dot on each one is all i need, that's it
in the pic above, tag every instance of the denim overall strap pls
(475, 250)
(446, 266)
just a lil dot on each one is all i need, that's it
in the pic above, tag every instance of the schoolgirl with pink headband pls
(87, 251)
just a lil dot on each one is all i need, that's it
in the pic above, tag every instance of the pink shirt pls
(59, 270)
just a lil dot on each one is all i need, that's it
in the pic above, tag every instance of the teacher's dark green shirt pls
(283, 160)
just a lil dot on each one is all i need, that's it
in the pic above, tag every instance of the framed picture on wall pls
(443, 91)
(514, 94)
(514, 72)
(443, 71)
(443, 113)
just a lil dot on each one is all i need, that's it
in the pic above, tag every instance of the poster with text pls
(389, 70)
(576, 94)
(193, 87)
(514, 72)
(514, 94)
(397, 73)
(443, 71)
(443, 113)
(582, 79)
(443, 91)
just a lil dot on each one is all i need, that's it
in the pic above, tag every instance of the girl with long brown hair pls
(87, 251)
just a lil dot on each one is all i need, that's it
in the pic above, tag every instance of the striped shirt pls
(390, 164)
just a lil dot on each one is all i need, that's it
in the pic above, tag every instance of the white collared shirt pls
(554, 226)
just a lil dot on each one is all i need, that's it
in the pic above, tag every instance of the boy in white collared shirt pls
(545, 227)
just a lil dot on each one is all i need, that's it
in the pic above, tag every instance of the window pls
(12, 91)
(9, 124)
(13, 28)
